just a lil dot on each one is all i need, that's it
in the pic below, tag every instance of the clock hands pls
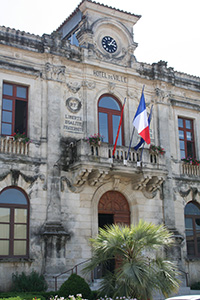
(111, 43)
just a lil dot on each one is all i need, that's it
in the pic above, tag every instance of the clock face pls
(109, 44)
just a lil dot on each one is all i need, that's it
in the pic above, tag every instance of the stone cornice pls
(21, 39)
(185, 104)
(160, 71)
(45, 44)
(8, 65)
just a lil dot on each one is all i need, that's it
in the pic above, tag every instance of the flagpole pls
(149, 121)
(142, 140)
(133, 131)
(141, 123)
(142, 152)
(143, 89)
(130, 143)
(120, 122)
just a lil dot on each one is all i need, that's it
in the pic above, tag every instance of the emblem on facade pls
(54, 72)
(73, 104)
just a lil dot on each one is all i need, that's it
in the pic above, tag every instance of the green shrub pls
(48, 295)
(34, 282)
(75, 285)
(195, 286)
(26, 296)
(94, 295)
(11, 298)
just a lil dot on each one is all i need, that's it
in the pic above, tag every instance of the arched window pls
(14, 221)
(192, 229)
(109, 110)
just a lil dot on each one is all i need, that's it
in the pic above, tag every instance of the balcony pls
(9, 146)
(19, 150)
(190, 170)
(95, 164)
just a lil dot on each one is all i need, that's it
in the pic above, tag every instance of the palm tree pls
(141, 267)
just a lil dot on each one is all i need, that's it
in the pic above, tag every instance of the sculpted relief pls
(54, 72)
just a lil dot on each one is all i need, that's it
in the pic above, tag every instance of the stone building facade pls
(55, 188)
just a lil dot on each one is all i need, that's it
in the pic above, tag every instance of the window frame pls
(193, 217)
(185, 130)
(110, 113)
(12, 207)
(14, 98)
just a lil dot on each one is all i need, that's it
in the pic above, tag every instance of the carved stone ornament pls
(79, 178)
(189, 193)
(162, 96)
(89, 84)
(15, 174)
(74, 87)
(148, 184)
(73, 104)
(54, 72)
(111, 86)
(124, 60)
(131, 94)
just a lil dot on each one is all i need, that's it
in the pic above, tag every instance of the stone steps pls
(183, 290)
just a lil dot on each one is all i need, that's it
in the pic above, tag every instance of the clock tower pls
(106, 33)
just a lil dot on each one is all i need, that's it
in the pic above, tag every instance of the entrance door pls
(113, 208)
(115, 204)
(105, 219)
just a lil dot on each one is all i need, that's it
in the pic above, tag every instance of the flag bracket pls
(111, 160)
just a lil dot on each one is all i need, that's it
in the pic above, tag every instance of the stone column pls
(163, 129)
(54, 234)
(164, 118)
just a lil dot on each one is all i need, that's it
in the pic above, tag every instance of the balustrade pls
(11, 146)
(189, 169)
(104, 152)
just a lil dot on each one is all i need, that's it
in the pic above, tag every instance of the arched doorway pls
(113, 208)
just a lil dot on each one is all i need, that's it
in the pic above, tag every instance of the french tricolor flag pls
(140, 121)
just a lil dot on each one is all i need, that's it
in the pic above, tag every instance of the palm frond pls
(140, 270)
(166, 276)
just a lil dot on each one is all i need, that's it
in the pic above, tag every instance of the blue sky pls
(168, 29)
